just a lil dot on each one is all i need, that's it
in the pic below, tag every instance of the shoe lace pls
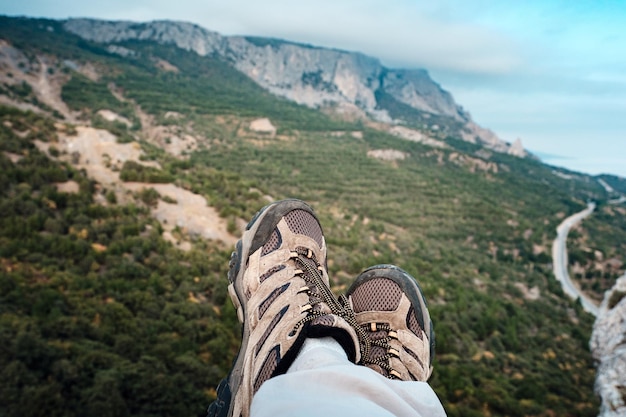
(319, 292)
(382, 361)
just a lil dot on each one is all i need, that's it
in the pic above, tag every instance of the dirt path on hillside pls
(47, 86)
(49, 90)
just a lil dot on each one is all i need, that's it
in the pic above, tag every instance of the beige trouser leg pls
(323, 383)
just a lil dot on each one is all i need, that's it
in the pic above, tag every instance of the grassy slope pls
(467, 236)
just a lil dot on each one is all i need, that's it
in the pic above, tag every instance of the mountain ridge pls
(310, 75)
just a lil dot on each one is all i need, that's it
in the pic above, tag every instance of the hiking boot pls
(390, 306)
(279, 286)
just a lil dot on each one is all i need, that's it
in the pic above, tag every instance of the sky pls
(550, 72)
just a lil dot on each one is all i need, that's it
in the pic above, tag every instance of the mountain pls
(128, 168)
(311, 76)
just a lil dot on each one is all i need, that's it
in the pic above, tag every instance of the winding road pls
(559, 259)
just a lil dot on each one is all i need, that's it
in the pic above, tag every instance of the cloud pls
(394, 31)
(399, 32)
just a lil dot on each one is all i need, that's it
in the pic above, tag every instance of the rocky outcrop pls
(308, 75)
(263, 126)
(184, 35)
(608, 347)
(517, 149)
(387, 154)
(416, 89)
(474, 133)
(415, 136)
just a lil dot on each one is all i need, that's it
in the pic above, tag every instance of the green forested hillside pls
(97, 312)
(102, 316)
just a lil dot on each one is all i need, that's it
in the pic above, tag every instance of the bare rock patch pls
(264, 126)
(387, 154)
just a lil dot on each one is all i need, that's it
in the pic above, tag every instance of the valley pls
(129, 167)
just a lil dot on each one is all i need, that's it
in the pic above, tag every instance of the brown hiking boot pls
(279, 286)
(390, 306)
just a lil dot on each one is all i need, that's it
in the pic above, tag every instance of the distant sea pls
(546, 157)
(611, 166)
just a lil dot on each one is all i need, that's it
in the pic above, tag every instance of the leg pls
(391, 309)
(323, 382)
(279, 285)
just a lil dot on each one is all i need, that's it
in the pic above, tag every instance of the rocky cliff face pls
(184, 35)
(307, 75)
(310, 76)
(608, 346)
(416, 89)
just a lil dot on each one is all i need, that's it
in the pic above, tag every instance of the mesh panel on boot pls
(273, 243)
(379, 294)
(377, 352)
(381, 334)
(325, 321)
(412, 323)
(268, 367)
(271, 298)
(271, 272)
(271, 327)
(303, 223)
